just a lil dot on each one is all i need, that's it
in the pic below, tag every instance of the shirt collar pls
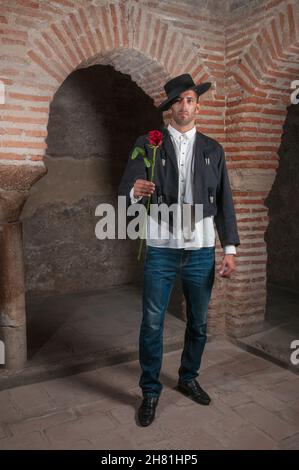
(176, 134)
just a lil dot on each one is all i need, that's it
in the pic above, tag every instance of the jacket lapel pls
(169, 150)
(200, 147)
(199, 167)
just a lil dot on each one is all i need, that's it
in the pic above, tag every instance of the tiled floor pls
(255, 405)
(73, 333)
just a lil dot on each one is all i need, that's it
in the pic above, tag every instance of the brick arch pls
(259, 84)
(270, 59)
(86, 36)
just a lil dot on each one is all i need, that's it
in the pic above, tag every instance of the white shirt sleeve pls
(134, 199)
(230, 250)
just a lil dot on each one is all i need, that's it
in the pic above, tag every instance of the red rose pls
(155, 138)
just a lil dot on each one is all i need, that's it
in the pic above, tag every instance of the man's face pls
(185, 108)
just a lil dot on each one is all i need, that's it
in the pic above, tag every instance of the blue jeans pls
(197, 270)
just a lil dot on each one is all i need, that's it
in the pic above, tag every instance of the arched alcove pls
(95, 117)
(282, 232)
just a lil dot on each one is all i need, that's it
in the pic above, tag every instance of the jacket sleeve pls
(225, 219)
(134, 170)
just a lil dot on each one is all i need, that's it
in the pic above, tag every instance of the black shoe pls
(194, 391)
(146, 412)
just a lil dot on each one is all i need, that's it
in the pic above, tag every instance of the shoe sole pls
(187, 394)
(144, 425)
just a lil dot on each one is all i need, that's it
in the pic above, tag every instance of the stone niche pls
(282, 233)
(95, 118)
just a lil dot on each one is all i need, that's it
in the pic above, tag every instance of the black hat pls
(178, 85)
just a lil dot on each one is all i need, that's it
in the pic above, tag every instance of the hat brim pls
(199, 89)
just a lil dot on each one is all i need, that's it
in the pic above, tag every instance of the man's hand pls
(228, 266)
(143, 188)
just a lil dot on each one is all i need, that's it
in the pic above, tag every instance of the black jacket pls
(211, 185)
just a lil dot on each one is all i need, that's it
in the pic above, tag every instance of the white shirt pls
(203, 234)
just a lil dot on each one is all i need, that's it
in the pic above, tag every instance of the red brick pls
(10, 156)
(104, 15)
(70, 34)
(292, 25)
(87, 30)
(125, 38)
(116, 41)
(63, 41)
(25, 97)
(36, 158)
(41, 64)
(18, 144)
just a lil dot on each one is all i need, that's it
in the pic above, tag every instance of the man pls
(190, 169)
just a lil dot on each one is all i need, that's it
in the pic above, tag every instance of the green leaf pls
(137, 151)
(147, 162)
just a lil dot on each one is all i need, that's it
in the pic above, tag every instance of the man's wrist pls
(133, 198)
(230, 250)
